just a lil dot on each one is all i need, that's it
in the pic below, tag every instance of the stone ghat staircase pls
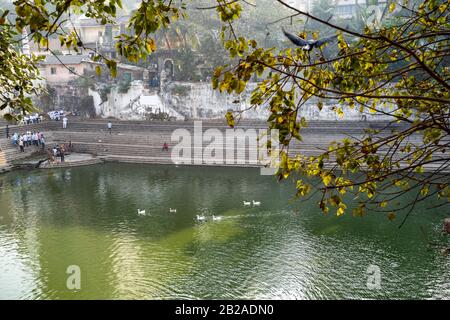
(138, 141)
(100, 125)
(138, 148)
(10, 153)
(120, 126)
(141, 141)
(146, 147)
(3, 162)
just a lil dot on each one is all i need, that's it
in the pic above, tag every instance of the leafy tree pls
(197, 37)
(19, 74)
(398, 69)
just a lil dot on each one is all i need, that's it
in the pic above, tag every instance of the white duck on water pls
(141, 212)
(201, 218)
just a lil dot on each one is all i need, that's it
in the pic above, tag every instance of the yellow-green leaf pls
(392, 7)
(326, 178)
(230, 118)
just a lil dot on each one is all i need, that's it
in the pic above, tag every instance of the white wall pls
(117, 102)
(200, 101)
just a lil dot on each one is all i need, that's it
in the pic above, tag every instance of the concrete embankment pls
(142, 142)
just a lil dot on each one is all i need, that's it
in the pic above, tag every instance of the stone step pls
(3, 161)
(126, 126)
(12, 153)
(71, 164)
(157, 140)
(157, 137)
(123, 128)
(151, 151)
(184, 161)
(158, 146)
(4, 169)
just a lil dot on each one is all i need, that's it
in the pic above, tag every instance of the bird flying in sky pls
(307, 45)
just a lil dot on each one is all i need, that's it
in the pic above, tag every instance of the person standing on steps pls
(7, 132)
(55, 152)
(34, 139)
(165, 147)
(29, 141)
(62, 151)
(109, 127)
(15, 139)
(21, 143)
(42, 141)
(25, 140)
(65, 122)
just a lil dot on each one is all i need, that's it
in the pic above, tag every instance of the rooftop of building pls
(64, 59)
(83, 21)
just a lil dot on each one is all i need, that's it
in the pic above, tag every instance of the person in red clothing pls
(165, 147)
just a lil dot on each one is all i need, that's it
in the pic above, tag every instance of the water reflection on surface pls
(284, 249)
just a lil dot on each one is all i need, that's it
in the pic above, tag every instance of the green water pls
(88, 217)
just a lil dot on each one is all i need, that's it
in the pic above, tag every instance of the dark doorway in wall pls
(168, 67)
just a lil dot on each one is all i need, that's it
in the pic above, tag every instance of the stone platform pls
(72, 160)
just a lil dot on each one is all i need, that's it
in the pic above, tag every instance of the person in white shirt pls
(29, 138)
(35, 139)
(15, 138)
(109, 127)
(65, 122)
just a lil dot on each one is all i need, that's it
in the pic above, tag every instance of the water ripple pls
(88, 217)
